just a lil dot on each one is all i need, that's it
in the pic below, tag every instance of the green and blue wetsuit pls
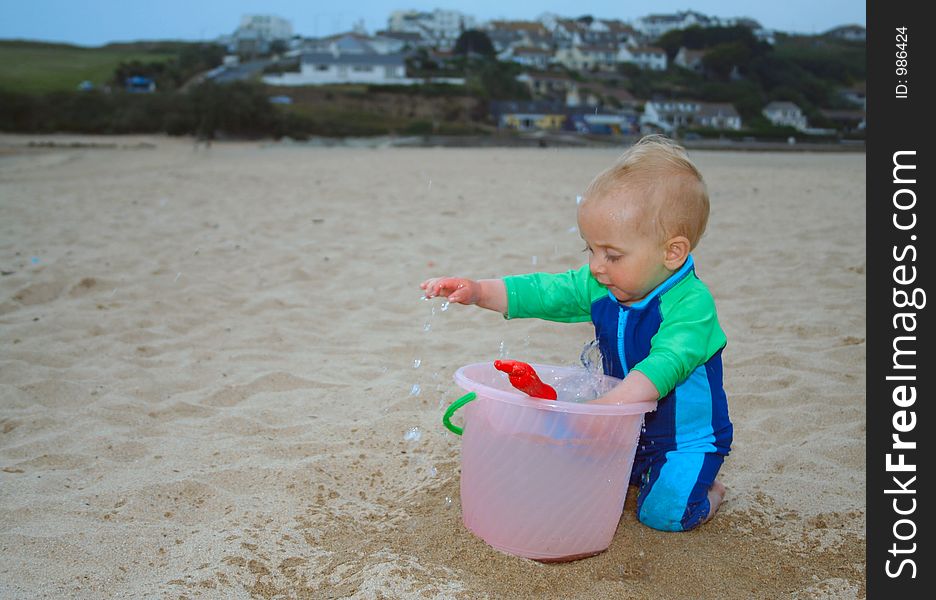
(673, 337)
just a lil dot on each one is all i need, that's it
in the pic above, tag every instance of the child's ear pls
(677, 249)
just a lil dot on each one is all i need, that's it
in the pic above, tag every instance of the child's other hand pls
(456, 289)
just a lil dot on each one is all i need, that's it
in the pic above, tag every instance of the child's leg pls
(679, 491)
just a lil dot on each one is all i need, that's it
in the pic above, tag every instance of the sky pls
(97, 22)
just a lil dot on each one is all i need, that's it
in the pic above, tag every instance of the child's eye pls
(586, 249)
(612, 258)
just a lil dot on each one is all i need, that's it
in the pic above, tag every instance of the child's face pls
(628, 262)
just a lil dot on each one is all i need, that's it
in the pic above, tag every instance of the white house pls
(689, 59)
(527, 56)
(852, 33)
(785, 113)
(324, 68)
(441, 26)
(718, 115)
(653, 26)
(646, 57)
(668, 115)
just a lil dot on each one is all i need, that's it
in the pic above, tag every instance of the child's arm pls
(486, 293)
(636, 387)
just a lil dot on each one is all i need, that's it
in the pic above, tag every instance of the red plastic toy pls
(523, 377)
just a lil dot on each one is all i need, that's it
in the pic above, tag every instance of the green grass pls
(35, 67)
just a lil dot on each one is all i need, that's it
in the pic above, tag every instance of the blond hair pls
(671, 195)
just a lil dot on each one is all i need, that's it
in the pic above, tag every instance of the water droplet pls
(433, 471)
(573, 229)
(445, 306)
(448, 502)
(427, 326)
(502, 351)
(578, 199)
(34, 260)
(412, 434)
(179, 274)
(417, 362)
(533, 260)
(416, 389)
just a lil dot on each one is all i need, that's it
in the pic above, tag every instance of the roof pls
(648, 50)
(531, 50)
(717, 109)
(354, 59)
(531, 26)
(844, 115)
(781, 105)
(513, 106)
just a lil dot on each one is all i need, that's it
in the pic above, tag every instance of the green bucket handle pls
(447, 417)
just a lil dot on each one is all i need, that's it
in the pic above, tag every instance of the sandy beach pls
(218, 378)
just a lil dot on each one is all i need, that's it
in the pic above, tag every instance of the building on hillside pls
(528, 56)
(440, 27)
(653, 26)
(645, 57)
(353, 43)
(330, 68)
(785, 114)
(586, 58)
(851, 33)
(718, 115)
(689, 59)
(528, 116)
(256, 34)
(847, 121)
(667, 116)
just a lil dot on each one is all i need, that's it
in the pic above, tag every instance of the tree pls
(474, 41)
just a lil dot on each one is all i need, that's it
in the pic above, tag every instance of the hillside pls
(37, 67)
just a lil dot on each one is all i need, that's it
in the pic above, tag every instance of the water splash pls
(445, 306)
(417, 362)
(412, 434)
(502, 350)
(578, 200)
(427, 326)
(415, 390)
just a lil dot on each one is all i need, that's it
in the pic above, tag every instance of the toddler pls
(655, 322)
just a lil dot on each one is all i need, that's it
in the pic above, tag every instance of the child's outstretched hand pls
(456, 289)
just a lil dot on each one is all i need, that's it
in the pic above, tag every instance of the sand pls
(208, 361)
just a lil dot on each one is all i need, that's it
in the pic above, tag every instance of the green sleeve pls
(564, 297)
(689, 335)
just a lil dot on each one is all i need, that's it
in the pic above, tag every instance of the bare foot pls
(716, 494)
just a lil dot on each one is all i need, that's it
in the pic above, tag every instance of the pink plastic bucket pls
(544, 479)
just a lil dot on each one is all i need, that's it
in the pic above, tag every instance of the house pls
(785, 114)
(354, 43)
(669, 115)
(586, 58)
(689, 59)
(847, 121)
(718, 115)
(554, 85)
(645, 57)
(528, 56)
(505, 35)
(856, 94)
(334, 67)
(527, 116)
(596, 120)
(653, 26)
(851, 33)
(256, 34)
(440, 27)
